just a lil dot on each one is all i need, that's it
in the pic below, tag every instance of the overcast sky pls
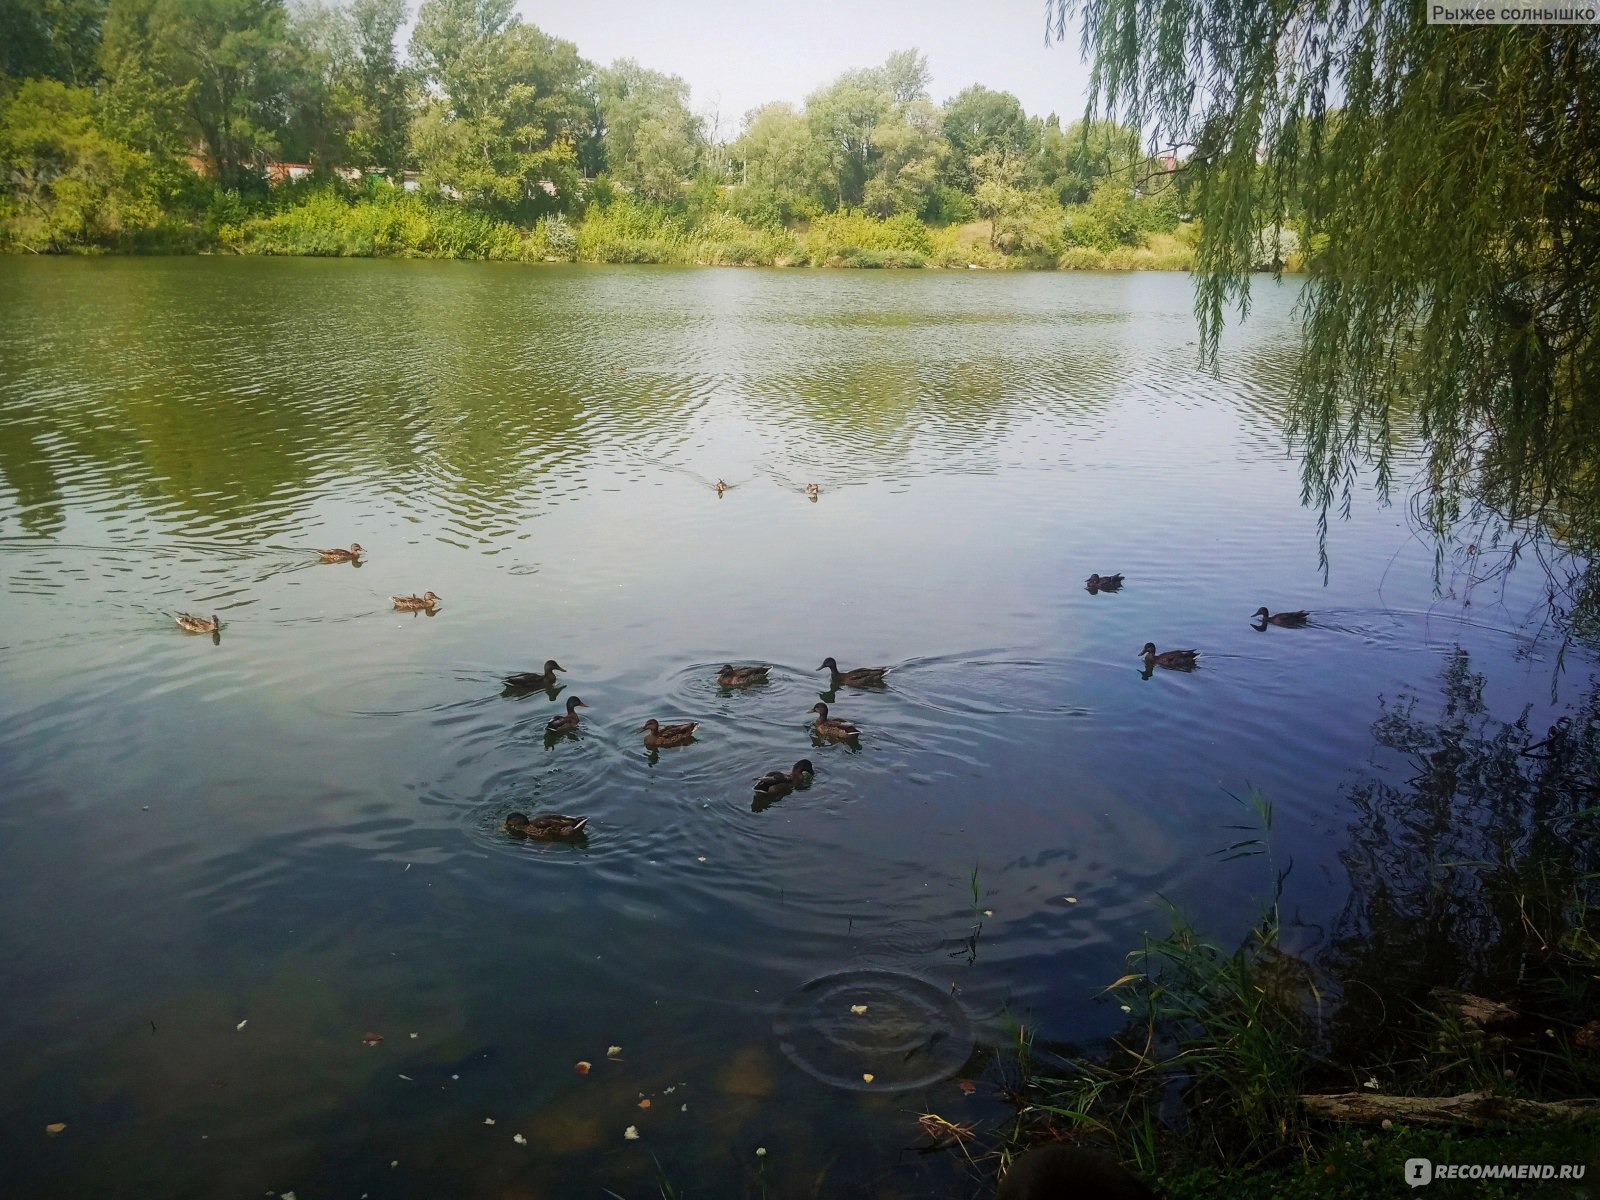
(738, 54)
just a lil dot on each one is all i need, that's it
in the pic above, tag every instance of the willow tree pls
(1448, 178)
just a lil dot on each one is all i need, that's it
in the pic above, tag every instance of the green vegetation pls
(129, 125)
(1480, 873)
(1448, 180)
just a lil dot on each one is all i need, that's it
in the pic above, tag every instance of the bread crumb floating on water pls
(631, 1133)
(56, 1128)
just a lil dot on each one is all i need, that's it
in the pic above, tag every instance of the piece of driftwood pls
(1469, 1108)
(1485, 1014)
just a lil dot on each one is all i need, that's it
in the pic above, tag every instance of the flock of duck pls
(774, 784)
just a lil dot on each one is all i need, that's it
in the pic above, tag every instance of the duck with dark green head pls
(568, 722)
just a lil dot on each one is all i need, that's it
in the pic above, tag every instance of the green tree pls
(228, 67)
(1454, 174)
(67, 183)
(354, 101)
(980, 121)
(776, 166)
(51, 39)
(652, 140)
(505, 110)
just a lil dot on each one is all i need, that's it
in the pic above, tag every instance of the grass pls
(1201, 1089)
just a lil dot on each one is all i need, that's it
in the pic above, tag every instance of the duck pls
(531, 679)
(1289, 619)
(415, 603)
(832, 727)
(657, 735)
(811, 491)
(721, 487)
(1172, 660)
(198, 624)
(1058, 1171)
(349, 555)
(860, 677)
(732, 676)
(1104, 583)
(780, 783)
(570, 721)
(546, 827)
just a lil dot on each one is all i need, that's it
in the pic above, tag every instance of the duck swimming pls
(721, 487)
(732, 676)
(1287, 619)
(198, 624)
(779, 783)
(811, 492)
(546, 827)
(860, 677)
(415, 603)
(832, 727)
(349, 555)
(1172, 660)
(531, 679)
(1104, 583)
(568, 723)
(657, 735)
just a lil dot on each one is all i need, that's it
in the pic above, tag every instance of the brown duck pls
(1287, 619)
(192, 624)
(535, 679)
(415, 603)
(546, 827)
(832, 727)
(657, 735)
(349, 555)
(732, 676)
(1172, 660)
(860, 677)
(780, 783)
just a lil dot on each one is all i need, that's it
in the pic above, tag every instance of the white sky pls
(738, 54)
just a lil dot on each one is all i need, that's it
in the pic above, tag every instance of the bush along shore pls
(1452, 1013)
(327, 220)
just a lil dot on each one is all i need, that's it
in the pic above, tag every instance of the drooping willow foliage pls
(1447, 180)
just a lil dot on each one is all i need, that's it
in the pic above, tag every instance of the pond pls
(229, 860)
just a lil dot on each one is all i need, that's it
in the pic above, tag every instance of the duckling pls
(1287, 619)
(198, 624)
(1062, 1172)
(568, 723)
(779, 783)
(721, 487)
(349, 555)
(732, 676)
(532, 680)
(1172, 660)
(1104, 583)
(415, 603)
(811, 492)
(832, 727)
(860, 677)
(546, 827)
(657, 735)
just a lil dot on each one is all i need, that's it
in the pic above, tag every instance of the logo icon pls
(1418, 1171)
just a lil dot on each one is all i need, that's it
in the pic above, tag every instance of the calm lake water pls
(226, 862)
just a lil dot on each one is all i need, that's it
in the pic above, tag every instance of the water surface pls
(228, 861)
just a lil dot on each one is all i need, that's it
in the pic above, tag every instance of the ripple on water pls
(872, 1030)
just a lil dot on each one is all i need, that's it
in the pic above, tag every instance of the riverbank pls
(387, 223)
(1268, 1070)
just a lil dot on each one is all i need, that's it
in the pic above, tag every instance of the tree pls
(979, 121)
(775, 150)
(506, 106)
(50, 39)
(1454, 176)
(227, 65)
(69, 184)
(652, 140)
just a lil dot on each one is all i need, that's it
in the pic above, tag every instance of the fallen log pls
(1469, 1108)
